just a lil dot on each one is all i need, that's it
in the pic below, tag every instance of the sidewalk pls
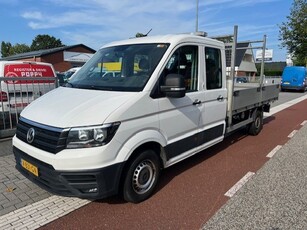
(16, 190)
(24, 205)
(276, 196)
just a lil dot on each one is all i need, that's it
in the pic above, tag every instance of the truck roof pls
(171, 38)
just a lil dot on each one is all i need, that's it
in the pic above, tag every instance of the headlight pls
(91, 136)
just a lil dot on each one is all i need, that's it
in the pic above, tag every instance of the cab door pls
(179, 117)
(212, 121)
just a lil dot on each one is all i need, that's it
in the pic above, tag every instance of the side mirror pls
(174, 86)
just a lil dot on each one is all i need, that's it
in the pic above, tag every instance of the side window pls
(184, 61)
(213, 68)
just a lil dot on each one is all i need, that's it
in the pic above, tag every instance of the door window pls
(213, 68)
(184, 61)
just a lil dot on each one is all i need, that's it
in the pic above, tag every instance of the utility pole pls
(196, 27)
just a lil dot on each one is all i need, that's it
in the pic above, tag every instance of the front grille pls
(47, 138)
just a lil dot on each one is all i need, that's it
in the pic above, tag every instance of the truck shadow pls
(168, 174)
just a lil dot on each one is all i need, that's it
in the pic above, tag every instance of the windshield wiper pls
(100, 88)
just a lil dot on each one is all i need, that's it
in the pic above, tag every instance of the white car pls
(68, 74)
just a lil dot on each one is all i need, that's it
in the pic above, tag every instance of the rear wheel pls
(142, 176)
(256, 126)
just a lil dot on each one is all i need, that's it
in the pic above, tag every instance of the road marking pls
(303, 123)
(292, 133)
(272, 153)
(40, 213)
(239, 184)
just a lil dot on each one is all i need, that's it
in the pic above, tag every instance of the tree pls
(39, 42)
(6, 49)
(293, 33)
(20, 48)
(45, 42)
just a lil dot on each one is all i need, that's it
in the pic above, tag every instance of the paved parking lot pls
(16, 190)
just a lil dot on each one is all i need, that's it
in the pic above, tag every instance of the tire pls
(142, 176)
(256, 126)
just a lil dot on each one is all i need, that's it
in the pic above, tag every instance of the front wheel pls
(142, 176)
(256, 126)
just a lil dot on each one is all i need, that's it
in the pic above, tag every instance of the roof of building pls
(239, 54)
(40, 53)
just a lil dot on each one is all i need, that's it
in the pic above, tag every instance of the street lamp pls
(196, 27)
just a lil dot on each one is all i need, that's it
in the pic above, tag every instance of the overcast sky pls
(97, 22)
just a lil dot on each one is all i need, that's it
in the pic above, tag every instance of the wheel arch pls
(145, 139)
(154, 146)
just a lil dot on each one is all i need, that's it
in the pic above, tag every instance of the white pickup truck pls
(100, 135)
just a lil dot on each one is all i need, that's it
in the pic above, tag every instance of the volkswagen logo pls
(30, 135)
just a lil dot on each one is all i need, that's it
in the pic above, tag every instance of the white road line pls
(40, 213)
(292, 133)
(272, 153)
(239, 184)
(304, 123)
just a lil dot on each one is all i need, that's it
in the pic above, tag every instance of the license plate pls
(29, 167)
(286, 83)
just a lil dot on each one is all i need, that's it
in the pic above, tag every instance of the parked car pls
(111, 74)
(241, 80)
(36, 79)
(294, 78)
(71, 71)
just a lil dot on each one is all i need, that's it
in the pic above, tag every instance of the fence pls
(15, 94)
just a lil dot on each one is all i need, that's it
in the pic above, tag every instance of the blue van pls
(294, 78)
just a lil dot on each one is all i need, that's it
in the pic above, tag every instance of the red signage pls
(28, 70)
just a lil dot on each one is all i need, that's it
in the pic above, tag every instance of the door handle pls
(197, 102)
(220, 98)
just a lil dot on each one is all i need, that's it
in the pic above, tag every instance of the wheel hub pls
(143, 177)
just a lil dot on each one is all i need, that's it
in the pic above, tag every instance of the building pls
(244, 62)
(62, 58)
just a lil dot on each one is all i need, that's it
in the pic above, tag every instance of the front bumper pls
(89, 184)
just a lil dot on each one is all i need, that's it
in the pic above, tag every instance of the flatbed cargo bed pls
(251, 95)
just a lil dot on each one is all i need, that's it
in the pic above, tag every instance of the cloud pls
(105, 13)
(96, 22)
(32, 15)
(235, 3)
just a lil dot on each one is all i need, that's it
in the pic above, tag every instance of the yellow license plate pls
(28, 166)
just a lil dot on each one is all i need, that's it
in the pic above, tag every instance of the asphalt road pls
(192, 191)
(287, 96)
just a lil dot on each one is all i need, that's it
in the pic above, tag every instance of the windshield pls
(119, 68)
